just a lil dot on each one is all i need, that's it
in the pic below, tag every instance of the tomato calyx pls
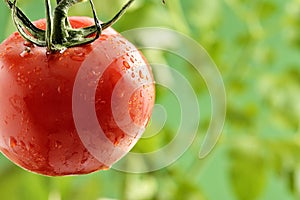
(59, 34)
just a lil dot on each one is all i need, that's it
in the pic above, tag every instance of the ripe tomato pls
(37, 127)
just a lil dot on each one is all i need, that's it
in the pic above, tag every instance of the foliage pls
(255, 45)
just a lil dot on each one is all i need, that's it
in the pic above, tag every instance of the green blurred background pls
(255, 45)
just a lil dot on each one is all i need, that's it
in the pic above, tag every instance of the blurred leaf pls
(248, 170)
(5, 17)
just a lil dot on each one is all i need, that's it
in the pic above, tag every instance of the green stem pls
(49, 25)
(59, 35)
(60, 32)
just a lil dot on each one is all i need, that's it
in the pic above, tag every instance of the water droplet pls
(23, 145)
(132, 75)
(12, 142)
(116, 142)
(8, 48)
(11, 67)
(21, 78)
(131, 59)
(78, 56)
(96, 73)
(101, 81)
(57, 144)
(123, 42)
(26, 52)
(16, 102)
(59, 89)
(103, 37)
(141, 74)
(28, 44)
(122, 94)
(126, 65)
(37, 70)
(92, 83)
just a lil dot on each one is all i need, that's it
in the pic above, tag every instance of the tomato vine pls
(59, 35)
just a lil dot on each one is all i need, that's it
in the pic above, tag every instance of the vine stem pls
(49, 24)
(58, 34)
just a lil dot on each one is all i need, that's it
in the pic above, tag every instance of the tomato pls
(38, 129)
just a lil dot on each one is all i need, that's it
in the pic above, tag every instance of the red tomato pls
(37, 127)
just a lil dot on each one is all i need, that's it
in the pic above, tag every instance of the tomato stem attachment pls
(59, 35)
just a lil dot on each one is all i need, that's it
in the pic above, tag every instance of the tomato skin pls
(37, 129)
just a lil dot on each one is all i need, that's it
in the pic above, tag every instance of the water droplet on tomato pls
(23, 145)
(28, 44)
(58, 144)
(123, 42)
(12, 142)
(131, 59)
(21, 78)
(126, 65)
(101, 80)
(116, 142)
(59, 89)
(103, 37)
(16, 102)
(37, 70)
(10, 67)
(8, 48)
(141, 93)
(78, 56)
(141, 74)
(26, 52)
(132, 75)
(122, 94)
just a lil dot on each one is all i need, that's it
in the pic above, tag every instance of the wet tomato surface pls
(37, 127)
